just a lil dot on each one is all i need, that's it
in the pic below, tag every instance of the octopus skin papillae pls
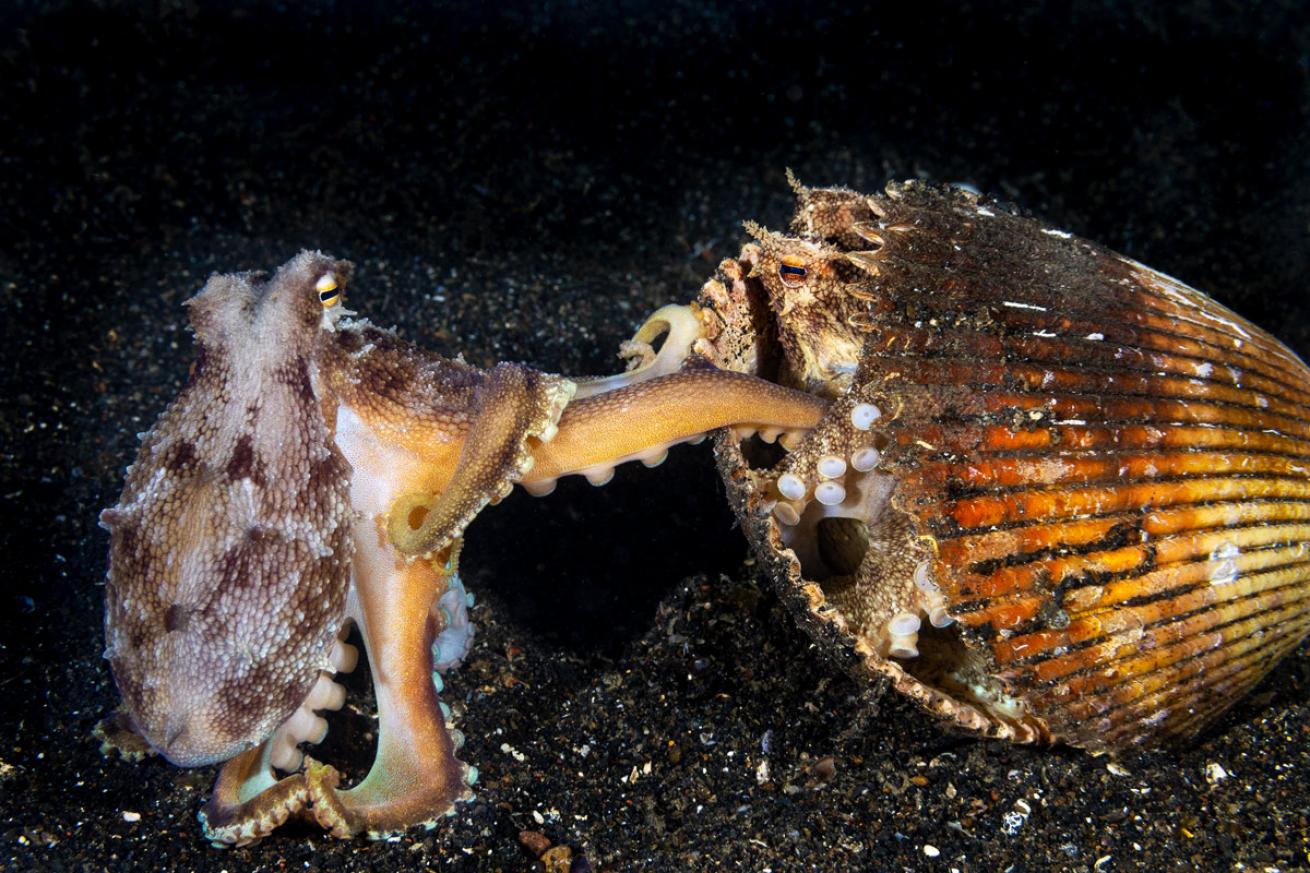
(1044, 490)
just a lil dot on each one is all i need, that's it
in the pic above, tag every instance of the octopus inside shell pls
(1046, 491)
(1056, 495)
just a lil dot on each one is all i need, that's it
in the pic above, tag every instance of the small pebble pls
(534, 841)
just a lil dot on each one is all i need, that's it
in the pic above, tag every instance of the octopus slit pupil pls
(792, 274)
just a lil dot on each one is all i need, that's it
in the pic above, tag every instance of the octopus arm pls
(512, 405)
(415, 777)
(249, 801)
(640, 421)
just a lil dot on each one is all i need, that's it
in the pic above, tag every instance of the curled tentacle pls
(415, 777)
(683, 327)
(249, 802)
(512, 404)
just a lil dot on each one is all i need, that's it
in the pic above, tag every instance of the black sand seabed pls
(526, 184)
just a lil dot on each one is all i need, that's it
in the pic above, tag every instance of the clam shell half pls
(1085, 508)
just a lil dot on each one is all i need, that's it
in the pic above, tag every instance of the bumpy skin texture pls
(231, 545)
(1095, 478)
(316, 471)
(449, 414)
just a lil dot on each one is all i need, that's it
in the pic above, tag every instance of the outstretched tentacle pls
(513, 403)
(640, 421)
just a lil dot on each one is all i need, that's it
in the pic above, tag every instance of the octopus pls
(317, 473)
(1045, 491)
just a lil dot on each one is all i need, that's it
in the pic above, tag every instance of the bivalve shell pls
(1090, 480)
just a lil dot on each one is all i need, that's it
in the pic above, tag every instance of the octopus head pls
(230, 550)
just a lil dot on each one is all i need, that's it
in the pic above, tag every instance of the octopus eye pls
(792, 272)
(328, 292)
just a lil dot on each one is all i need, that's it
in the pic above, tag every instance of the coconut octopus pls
(1044, 490)
(317, 472)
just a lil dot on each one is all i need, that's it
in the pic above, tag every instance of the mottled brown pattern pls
(313, 456)
(393, 383)
(205, 558)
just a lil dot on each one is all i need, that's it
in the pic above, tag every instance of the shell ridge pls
(1197, 673)
(1108, 471)
(985, 374)
(1134, 614)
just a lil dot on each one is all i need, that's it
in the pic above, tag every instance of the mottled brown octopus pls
(1047, 491)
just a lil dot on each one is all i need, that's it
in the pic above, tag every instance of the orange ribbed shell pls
(1112, 468)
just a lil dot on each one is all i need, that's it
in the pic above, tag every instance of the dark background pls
(526, 183)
